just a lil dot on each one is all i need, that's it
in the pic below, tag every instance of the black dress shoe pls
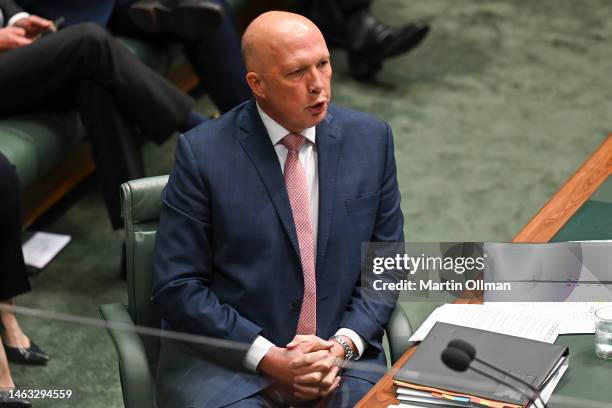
(185, 18)
(7, 402)
(370, 41)
(31, 356)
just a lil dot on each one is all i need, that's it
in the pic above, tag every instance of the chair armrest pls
(399, 331)
(136, 380)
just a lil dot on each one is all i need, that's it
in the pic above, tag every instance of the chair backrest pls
(141, 208)
(141, 200)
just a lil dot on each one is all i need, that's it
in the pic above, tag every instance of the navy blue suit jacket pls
(227, 262)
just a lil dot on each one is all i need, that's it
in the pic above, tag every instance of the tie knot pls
(293, 142)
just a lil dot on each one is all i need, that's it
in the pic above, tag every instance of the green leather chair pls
(138, 353)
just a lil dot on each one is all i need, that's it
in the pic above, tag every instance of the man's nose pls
(315, 84)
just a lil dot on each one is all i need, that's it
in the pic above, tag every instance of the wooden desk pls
(543, 227)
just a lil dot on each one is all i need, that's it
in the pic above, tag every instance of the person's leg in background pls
(13, 274)
(215, 56)
(218, 63)
(350, 24)
(133, 99)
(6, 383)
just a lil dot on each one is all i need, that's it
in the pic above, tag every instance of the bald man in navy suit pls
(260, 237)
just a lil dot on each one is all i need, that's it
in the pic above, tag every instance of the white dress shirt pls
(308, 159)
(16, 17)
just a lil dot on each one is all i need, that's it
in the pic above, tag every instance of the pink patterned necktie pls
(299, 197)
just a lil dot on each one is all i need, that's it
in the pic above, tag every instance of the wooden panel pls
(383, 393)
(183, 77)
(572, 195)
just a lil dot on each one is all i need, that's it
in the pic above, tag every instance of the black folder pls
(532, 361)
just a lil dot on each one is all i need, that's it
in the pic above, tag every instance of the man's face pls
(296, 81)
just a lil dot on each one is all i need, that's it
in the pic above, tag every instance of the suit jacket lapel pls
(328, 151)
(258, 147)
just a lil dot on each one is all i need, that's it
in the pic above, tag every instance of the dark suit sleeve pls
(184, 259)
(9, 9)
(368, 313)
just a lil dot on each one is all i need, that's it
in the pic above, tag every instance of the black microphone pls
(470, 351)
(458, 360)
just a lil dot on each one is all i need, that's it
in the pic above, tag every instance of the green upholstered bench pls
(50, 150)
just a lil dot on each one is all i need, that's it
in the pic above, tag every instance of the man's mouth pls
(316, 108)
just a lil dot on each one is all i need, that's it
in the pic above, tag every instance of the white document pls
(573, 317)
(495, 319)
(39, 250)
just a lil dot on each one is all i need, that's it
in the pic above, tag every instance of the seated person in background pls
(280, 271)
(120, 100)
(16, 346)
(204, 28)
(350, 24)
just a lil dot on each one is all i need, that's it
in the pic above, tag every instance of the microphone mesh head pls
(456, 359)
(463, 346)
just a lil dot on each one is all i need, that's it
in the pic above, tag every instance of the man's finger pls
(329, 379)
(22, 41)
(313, 379)
(306, 392)
(300, 338)
(310, 392)
(332, 388)
(323, 365)
(320, 379)
(311, 346)
(308, 358)
(18, 31)
(40, 22)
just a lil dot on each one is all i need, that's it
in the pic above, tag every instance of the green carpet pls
(500, 105)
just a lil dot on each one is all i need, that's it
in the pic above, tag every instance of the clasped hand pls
(308, 367)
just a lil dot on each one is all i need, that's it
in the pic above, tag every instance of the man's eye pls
(297, 72)
(323, 63)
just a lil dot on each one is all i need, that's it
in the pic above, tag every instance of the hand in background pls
(34, 26)
(13, 37)
(316, 370)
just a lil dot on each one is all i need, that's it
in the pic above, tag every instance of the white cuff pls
(256, 353)
(16, 17)
(357, 340)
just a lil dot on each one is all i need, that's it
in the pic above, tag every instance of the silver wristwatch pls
(348, 351)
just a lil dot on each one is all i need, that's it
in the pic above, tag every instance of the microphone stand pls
(530, 399)
(516, 378)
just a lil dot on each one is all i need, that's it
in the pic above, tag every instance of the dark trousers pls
(349, 393)
(120, 100)
(330, 15)
(13, 275)
(216, 57)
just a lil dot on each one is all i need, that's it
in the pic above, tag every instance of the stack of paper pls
(495, 319)
(484, 379)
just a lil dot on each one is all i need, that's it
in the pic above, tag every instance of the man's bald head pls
(271, 32)
(288, 69)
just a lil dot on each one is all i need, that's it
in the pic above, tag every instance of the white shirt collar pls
(276, 132)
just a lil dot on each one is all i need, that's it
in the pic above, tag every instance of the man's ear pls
(255, 84)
